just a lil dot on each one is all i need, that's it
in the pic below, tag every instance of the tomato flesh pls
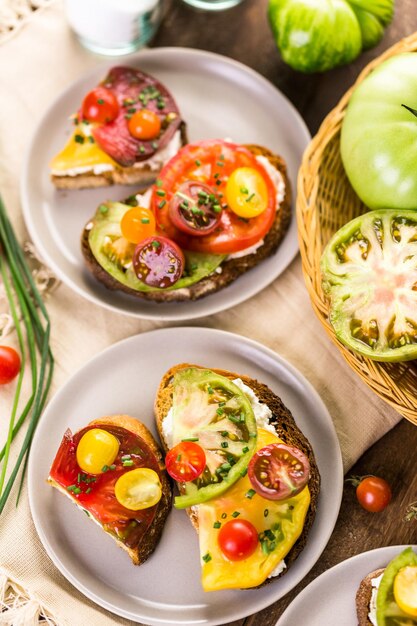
(194, 209)
(279, 471)
(158, 262)
(373, 494)
(9, 364)
(137, 224)
(238, 539)
(211, 163)
(100, 105)
(144, 124)
(185, 461)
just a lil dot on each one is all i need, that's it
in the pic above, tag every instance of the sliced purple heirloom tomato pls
(279, 471)
(136, 91)
(195, 209)
(158, 262)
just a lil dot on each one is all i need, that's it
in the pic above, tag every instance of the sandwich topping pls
(394, 594)
(113, 475)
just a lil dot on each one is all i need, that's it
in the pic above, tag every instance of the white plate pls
(124, 379)
(333, 593)
(218, 97)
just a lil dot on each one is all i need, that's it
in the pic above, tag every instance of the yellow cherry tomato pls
(405, 590)
(246, 192)
(96, 449)
(138, 489)
(138, 224)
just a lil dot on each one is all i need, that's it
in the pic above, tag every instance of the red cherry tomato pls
(9, 364)
(185, 461)
(238, 539)
(278, 471)
(373, 494)
(158, 262)
(100, 105)
(211, 162)
(144, 124)
(194, 209)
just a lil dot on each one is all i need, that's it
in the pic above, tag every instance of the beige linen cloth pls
(36, 64)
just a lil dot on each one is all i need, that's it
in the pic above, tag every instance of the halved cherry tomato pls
(9, 364)
(246, 192)
(144, 124)
(194, 209)
(158, 262)
(278, 471)
(405, 590)
(373, 494)
(238, 539)
(100, 105)
(138, 489)
(211, 162)
(97, 449)
(137, 224)
(185, 461)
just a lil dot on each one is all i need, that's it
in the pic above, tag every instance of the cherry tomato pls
(9, 364)
(238, 539)
(144, 124)
(373, 494)
(246, 192)
(185, 461)
(138, 489)
(158, 262)
(194, 209)
(405, 589)
(137, 224)
(212, 162)
(96, 449)
(100, 105)
(278, 471)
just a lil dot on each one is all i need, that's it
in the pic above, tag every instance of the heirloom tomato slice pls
(369, 273)
(211, 163)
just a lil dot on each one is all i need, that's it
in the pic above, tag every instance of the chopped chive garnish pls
(154, 145)
(88, 490)
(218, 181)
(79, 478)
(235, 513)
(250, 197)
(244, 190)
(162, 204)
(125, 457)
(216, 175)
(156, 244)
(245, 449)
(252, 435)
(216, 524)
(159, 182)
(141, 149)
(194, 266)
(131, 110)
(222, 403)
(145, 220)
(224, 467)
(224, 444)
(178, 458)
(234, 419)
(217, 208)
(71, 487)
(160, 192)
(249, 494)
(207, 557)
(220, 164)
(79, 139)
(223, 515)
(221, 157)
(112, 466)
(105, 468)
(190, 439)
(224, 433)
(100, 101)
(219, 411)
(210, 390)
(77, 490)
(91, 139)
(127, 463)
(244, 472)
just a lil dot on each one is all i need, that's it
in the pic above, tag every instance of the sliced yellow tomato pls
(137, 224)
(138, 489)
(96, 450)
(247, 192)
(405, 590)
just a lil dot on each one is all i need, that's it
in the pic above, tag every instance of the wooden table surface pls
(243, 34)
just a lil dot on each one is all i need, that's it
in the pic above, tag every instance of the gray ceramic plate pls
(218, 97)
(333, 593)
(124, 379)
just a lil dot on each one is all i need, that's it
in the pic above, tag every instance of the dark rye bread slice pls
(141, 176)
(363, 597)
(285, 427)
(231, 269)
(140, 553)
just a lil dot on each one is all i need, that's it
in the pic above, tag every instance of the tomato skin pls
(279, 471)
(100, 105)
(137, 224)
(158, 262)
(246, 192)
(238, 539)
(144, 124)
(185, 217)
(10, 364)
(373, 494)
(211, 162)
(185, 461)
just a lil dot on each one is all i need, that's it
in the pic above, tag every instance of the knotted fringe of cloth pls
(15, 13)
(18, 607)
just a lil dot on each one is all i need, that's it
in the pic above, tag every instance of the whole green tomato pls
(379, 135)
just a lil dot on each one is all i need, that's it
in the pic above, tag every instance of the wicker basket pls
(325, 202)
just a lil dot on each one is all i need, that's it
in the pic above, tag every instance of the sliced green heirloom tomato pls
(388, 613)
(211, 410)
(369, 271)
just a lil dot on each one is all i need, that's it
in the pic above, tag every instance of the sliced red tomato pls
(158, 262)
(185, 461)
(100, 105)
(278, 471)
(238, 539)
(211, 163)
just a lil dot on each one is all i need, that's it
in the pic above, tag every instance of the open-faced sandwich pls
(125, 130)
(388, 597)
(246, 474)
(216, 210)
(113, 470)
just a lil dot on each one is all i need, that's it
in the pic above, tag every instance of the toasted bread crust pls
(141, 552)
(231, 269)
(363, 597)
(140, 176)
(285, 427)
